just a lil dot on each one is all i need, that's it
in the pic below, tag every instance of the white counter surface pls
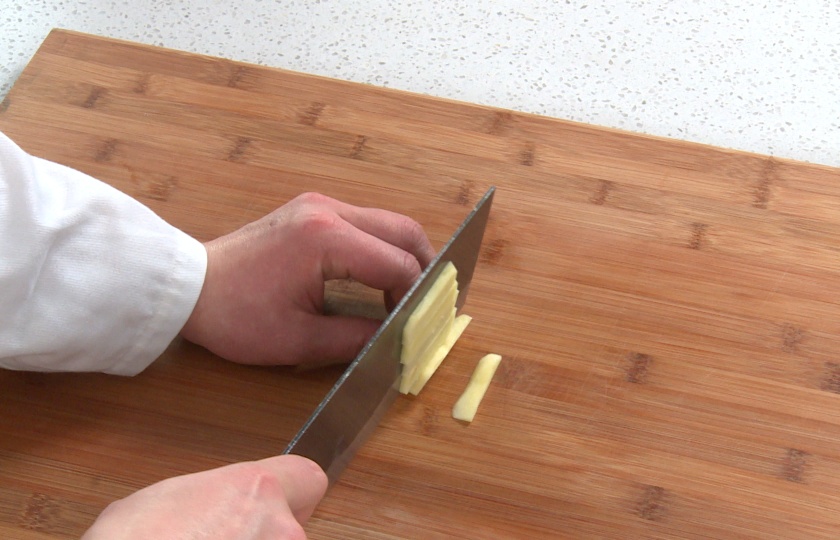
(762, 76)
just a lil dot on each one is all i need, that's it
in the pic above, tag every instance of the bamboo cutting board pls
(667, 312)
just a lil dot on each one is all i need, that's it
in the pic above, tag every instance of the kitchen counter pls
(755, 76)
(666, 312)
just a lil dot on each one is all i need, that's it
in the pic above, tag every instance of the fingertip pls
(318, 480)
(304, 483)
(316, 487)
(427, 255)
(304, 464)
(423, 249)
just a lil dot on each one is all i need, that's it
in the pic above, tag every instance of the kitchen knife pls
(351, 410)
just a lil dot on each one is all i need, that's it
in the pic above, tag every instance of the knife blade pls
(353, 407)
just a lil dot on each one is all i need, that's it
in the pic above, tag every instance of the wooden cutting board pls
(667, 312)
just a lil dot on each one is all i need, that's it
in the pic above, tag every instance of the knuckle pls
(311, 198)
(318, 222)
(113, 508)
(260, 481)
(414, 232)
(416, 241)
(409, 266)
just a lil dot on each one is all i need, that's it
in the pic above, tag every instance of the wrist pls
(192, 329)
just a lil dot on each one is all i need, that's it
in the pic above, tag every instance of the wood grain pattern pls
(667, 312)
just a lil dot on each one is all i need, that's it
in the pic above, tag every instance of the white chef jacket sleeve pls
(90, 279)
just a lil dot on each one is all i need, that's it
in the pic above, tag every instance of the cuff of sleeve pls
(176, 300)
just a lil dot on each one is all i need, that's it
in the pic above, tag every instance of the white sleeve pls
(90, 279)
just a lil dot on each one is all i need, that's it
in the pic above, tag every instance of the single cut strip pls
(467, 404)
(431, 331)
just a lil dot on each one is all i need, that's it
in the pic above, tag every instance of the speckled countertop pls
(762, 76)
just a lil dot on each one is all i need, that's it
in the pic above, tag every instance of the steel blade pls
(352, 409)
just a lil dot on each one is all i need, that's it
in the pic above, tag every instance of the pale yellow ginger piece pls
(418, 365)
(421, 338)
(467, 404)
(445, 280)
(430, 331)
(425, 372)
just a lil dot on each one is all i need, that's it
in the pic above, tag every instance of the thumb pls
(337, 338)
(303, 482)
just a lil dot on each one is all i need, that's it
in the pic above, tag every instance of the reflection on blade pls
(353, 407)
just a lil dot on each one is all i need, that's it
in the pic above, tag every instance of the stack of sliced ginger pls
(430, 333)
